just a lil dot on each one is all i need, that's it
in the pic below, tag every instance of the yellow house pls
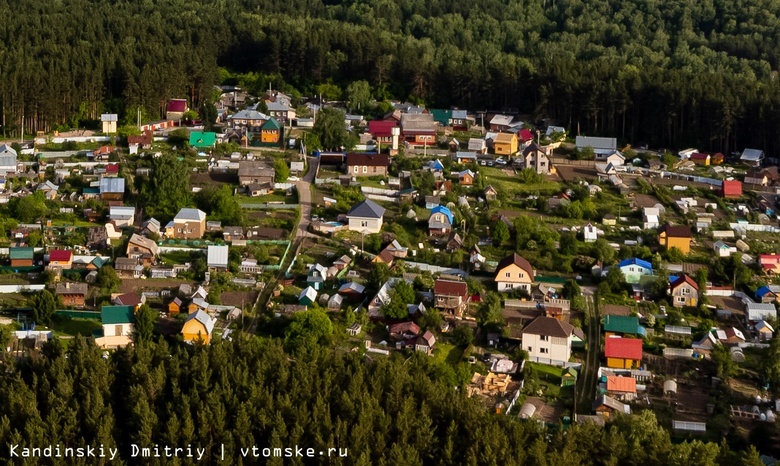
(675, 236)
(198, 328)
(505, 144)
(623, 353)
(269, 132)
(513, 273)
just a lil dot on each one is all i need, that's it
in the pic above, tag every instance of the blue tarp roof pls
(443, 210)
(635, 261)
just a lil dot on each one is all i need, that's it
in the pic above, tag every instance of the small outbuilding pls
(670, 387)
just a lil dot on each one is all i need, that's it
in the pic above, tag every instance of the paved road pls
(304, 198)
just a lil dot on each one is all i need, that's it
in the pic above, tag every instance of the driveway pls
(304, 198)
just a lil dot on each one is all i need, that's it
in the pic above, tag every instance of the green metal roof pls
(21, 253)
(621, 324)
(442, 116)
(202, 139)
(271, 124)
(117, 315)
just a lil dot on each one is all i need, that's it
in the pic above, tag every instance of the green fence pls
(78, 314)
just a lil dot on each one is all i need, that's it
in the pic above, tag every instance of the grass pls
(512, 186)
(68, 326)
(180, 257)
(75, 223)
(447, 353)
(275, 197)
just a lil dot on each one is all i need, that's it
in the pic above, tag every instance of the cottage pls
(176, 109)
(505, 144)
(131, 299)
(233, 233)
(72, 294)
(367, 164)
(367, 216)
(621, 325)
(8, 158)
(590, 233)
(117, 326)
(440, 221)
(465, 157)
(731, 189)
(764, 330)
(770, 263)
(308, 296)
(61, 259)
(450, 296)
(477, 145)
(700, 159)
(501, 122)
(425, 342)
(280, 110)
(271, 132)
(112, 189)
(600, 146)
(198, 328)
(621, 388)
(675, 236)
(255, 172)
(548, 340)
(127, 267)
(342, 262)
(418, 129)
(217, 257)
(766, 295)
(607, 407)
(317, 276)
(466, 178)
(513, 273)
(21, 257)
(353, 291)
(537, 158)
(623, 353)
(382, 131)
(250, 119)
(174, 307)
(491, 193)
(760, 311)
(633, 269)
(143, 248)
(752, 157)
(187, 224)
(684, 291)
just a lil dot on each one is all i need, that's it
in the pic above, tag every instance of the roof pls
(144, 242)
(217, 256)
(732, 188)
(110, 315)
(621, 324)
(381, 128)
(177, 105)
(635, 261)
(202, 317)
(418, 123)
(466, 172)
(525, 135)
(477, 144)
(596, 143)
(611, 403)
(440, 209)
(684, 279)
(699, 156)
(441, 116)
(624, 348)
(549, 326)
(112, 185)
(203, 139)
(128, 299)
(621, 384)
(277, 106)
(188, 213)
(405, 327)
(369, 160)
(502, 120)
(763, 291)
(504, 138)
(616, 310)
(676, 231)
(309, 293)
(517, 260)
(352, 287)
(255, 168)
(60, 255)
(271, 124)
(7, 149)
(366, 209)
(72, 288)
(249, 115)
(450, 288)
(21, 253)
(752, 155)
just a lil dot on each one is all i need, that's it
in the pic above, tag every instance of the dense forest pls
(251, 392)
(668, 73)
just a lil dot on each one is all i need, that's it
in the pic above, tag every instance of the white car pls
(293, 178)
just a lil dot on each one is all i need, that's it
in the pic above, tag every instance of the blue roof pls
(635, 261)
(762, 291)
(443, 210)
(436, 165)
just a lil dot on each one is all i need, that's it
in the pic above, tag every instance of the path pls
(586, 385)
(304, 198)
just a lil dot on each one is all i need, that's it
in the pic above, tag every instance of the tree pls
(401, 295)
(490, 313)
(615, 279)
(462, 335)
(281, 170)
(308, 330)
(330, 129)
(208, 114)
(220, 204)
(328, 91)
(358, 95)
(143, 326)
(571, 289)
(378, 275)
(721, 356)
(168, 189)
(43, 305)
(500, 233)
(30, 208)
(107, 279)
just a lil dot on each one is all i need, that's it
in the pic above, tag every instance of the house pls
(308, 296)
(382, 131)
(466, 178)
(547, 340)
(367, 164)
(770, 263)
(117, 324)
(187, 224)
(141, 247)
(524, 137)
(174, 307)
(766, 295)
(48, 189)
(271, 132)
(614, 158)
(454, 242)
(130, 299)
(731, 189)
(21, 257)
(620, 325)
(382, 297)
(551, 130)
(560, 200)
(610, 220)
(8, 158)
(465, 157)
(366, 216)
(477, 145)
(440, 221)
(112, 189)
(607, 407)
(280, 110)
(591, 233)
(633, 269)
(757, 177)
(505, 144)
(61, 259)
(621, 388)
(764, 330)
(255, 172)
(418, 129)
(203, 139)
(176, 109)
(651, 218)
(600, 146)
(722, 249)
(404, 331)
(122, 216)
(514, 272)
(752, 157)
(500, 122)
(72, 294)
(352, 290)
(760, 311)
(250, 119)
(569, 377)
(127, 267)
(451, 296)
(537, 158)
(342, 262)
(232, 233)
(109, 122)
(675, 236)
(198, 328)
(425, 342)
(217, 257)
(491, 193)
(717, 159)
(623, 353)
(317, 276)
(700, 159)
(432, 201)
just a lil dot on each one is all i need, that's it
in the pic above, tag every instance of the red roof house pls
(732, 189)
(112, 169)
(700, 159)
(525, 135)
(61, 258)
(451, 296)
(177, 105)
(382, 129)
(623, 353)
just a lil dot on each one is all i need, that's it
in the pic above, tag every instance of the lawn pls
(180, 257)
(512, 186)
(450, 354)
(68, 326)
(276, 196)
(75, 223)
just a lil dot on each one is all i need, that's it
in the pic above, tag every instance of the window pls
(373, 169)
(508, 275)
(680, 299)
(364, 223)
(365, 169)
(544, 350)
(118, 330)
(530, 348)
(544, 338)
(509, 286)
(520, 275)
(355, 169)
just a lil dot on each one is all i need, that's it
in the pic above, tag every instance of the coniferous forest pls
(668, 73)
(251, 392)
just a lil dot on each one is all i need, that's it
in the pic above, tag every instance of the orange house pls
(61, 258)
(174, 307)
(198, 328)
(505, 144)
(270, 131)
(675, 236)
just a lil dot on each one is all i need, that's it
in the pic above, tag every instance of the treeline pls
(251, 392)
(668, 73)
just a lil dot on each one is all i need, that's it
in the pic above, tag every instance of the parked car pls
(293, 178)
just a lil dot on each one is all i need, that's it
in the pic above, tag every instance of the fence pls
(5, 289)
(677, 330)
(93, 315)
(678, 353)
(377, 197)
(269, 206)
(435, 268)
(754, 227)
(372, 190)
